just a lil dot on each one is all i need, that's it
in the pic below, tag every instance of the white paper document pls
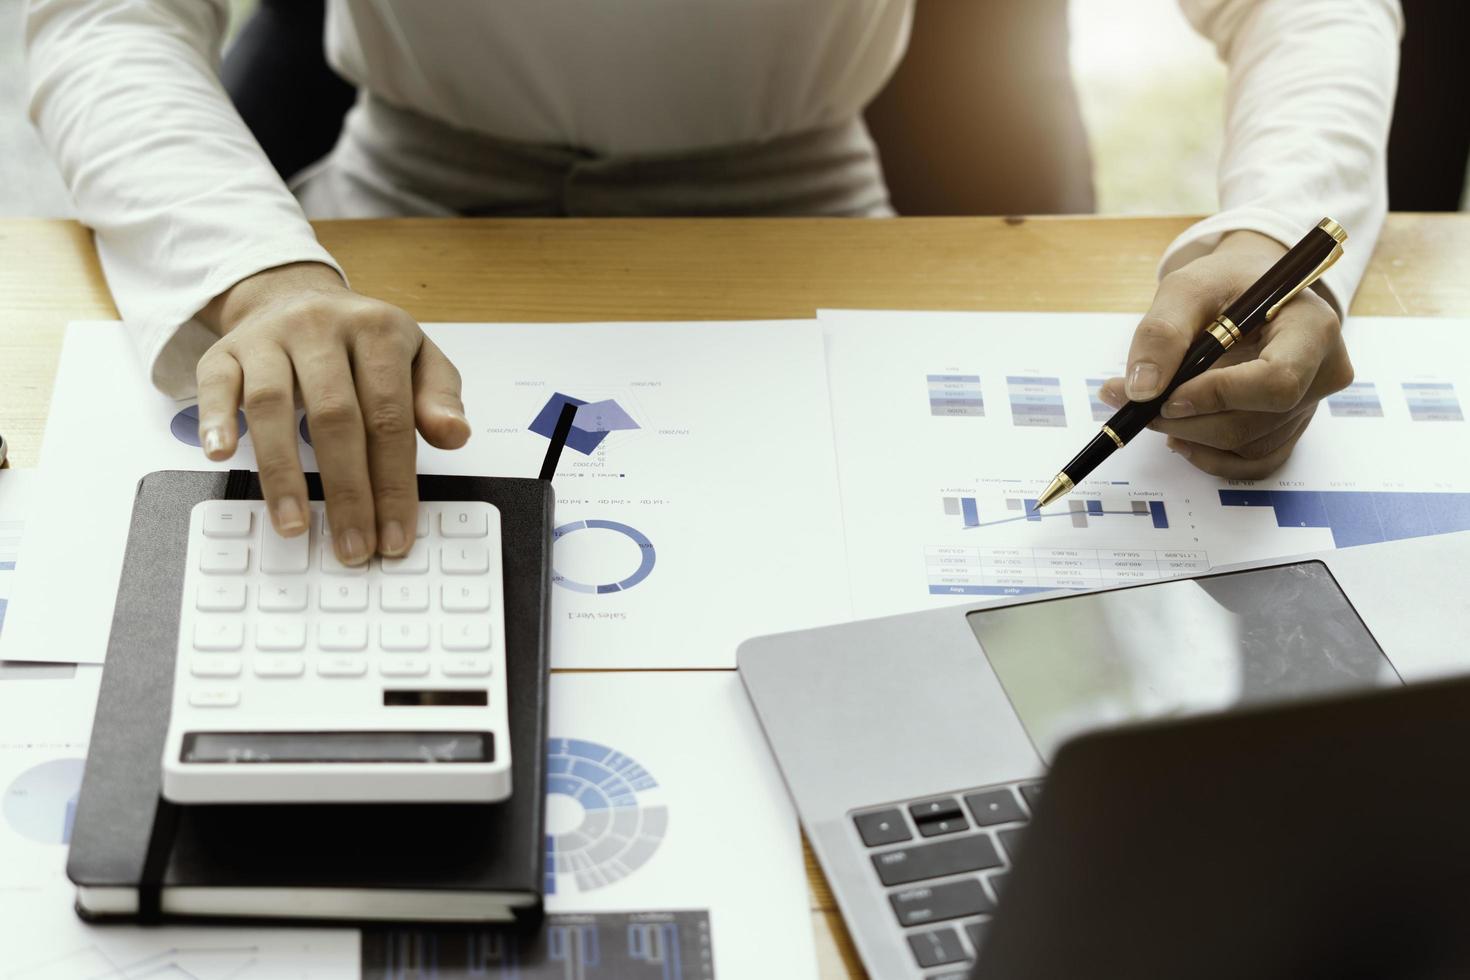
(17, 490)
(697, 495)
(948, 426)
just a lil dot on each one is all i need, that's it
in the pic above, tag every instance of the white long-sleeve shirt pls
(184, 203)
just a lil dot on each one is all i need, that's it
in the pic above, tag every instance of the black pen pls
(1295, 271)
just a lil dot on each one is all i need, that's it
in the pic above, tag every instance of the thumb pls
(1186, 302)
(437, 409)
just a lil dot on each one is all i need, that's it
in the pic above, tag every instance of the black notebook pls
(347, 863)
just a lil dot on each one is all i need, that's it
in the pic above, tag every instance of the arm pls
(1307, 113)
(216, 270)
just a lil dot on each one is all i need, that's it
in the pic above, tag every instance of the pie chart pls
(41, 803)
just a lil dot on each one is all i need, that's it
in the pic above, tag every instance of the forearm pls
(1308, 108)
(183, 201)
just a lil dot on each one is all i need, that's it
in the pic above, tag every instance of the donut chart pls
(185, 426)
(41, 803)
(613, 802)
(647, 557)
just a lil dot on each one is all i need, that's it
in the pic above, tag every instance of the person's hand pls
(367, 376)
(1242, 418)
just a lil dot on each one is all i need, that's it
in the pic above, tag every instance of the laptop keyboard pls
(942, 862)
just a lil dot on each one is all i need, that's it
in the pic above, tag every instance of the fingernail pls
(352, 549)
(1143, 381)
(1109, 397)
(213, 441)
(288, 515)
(1180, 408)
(1179, 448)
(392, 540)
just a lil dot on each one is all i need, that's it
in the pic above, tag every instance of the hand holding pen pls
(1279, 345)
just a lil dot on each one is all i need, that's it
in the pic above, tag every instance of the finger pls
(335, 419)
(380, 365)
(219, 381)
(1304, 344)
(437, 408)
(1231, 466)
(1186, 301)
(270, 408)
(1230, 431)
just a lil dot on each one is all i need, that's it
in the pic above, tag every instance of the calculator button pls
(341, 667)
(468, 597)
(224, 558)
(416, 562)
(226, 519)
(284, 556)
(404, 636)
(214, 666)
(422, 531)
(219, 634)
(283, 634)
(282, 597)
(465, 667)
(464, 559)
(344, 634)
(350, 595)
(332, 566)
(403, 666)
(404, 596)
(220, 596)
(277, 666)
(471, 634)
(206, 697)
(456, 521)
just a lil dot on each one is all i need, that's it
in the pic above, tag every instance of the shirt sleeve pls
(1308, 106)
(183, 201)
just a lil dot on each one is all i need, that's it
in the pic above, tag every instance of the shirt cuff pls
(1337, 285)
(171, 338)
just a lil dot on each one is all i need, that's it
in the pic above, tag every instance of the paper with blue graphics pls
(948, 425)
(661, 795)
(17, 490)
(696, 498)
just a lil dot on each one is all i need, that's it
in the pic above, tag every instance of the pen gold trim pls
(1113, 435)
(1058, 487)
(1339, 235)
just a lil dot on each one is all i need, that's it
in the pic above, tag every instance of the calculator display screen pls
(1176, 648)
(328, 747)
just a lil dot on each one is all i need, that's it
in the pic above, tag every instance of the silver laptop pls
(914, 745)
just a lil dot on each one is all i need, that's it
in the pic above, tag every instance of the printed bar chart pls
(1036, 401)
(1081, 513)
(956, 395)
(1357, 400)
(1432, 401)
(1101, 410)
(1360, 517)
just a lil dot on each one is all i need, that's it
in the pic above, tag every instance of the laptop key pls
(976, 931)
(941, 808)
(936, 828)
(997, 882)
(937, 947)
(995, 806)
(882, 827)
(935, 903)
(947, 857)
(1032, 793)
(1010, 840)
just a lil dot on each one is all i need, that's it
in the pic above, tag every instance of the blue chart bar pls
(1156, 510)
(1101, 410)
(1095, 507)
(1036, 401)
(1032, 509)
(1432, 401)
(1360, 517)
(971, 514)
(1357, 400)
(956, 394)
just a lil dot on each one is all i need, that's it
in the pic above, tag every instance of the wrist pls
(233, 306)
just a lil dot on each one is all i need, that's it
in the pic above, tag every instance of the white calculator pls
(300, 679)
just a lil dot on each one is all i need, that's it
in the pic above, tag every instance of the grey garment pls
(391, 162)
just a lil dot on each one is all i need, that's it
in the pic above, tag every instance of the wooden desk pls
(527, 270)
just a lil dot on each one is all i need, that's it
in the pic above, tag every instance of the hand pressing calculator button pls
(300, 679)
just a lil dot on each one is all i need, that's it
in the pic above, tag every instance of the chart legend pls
(956, 395)
(1432, 401)
(1358, 400)
(1036, 401)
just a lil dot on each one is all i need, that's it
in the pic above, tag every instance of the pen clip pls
(1315, 274)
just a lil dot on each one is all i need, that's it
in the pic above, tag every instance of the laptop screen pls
(1176, 648)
